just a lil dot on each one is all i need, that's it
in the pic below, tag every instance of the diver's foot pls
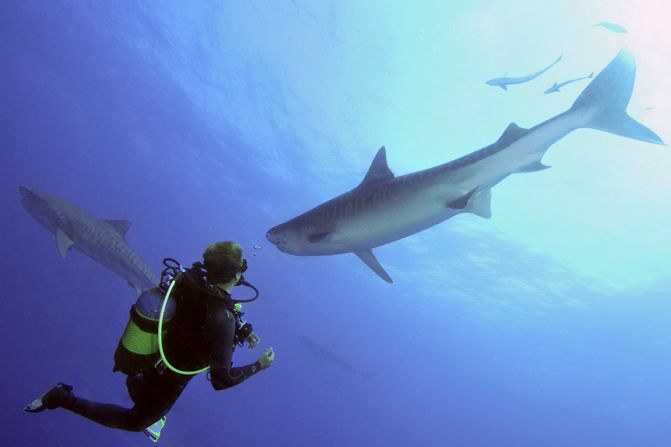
(153, 432)
(53, 398)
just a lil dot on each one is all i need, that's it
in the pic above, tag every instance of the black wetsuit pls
(204, 331)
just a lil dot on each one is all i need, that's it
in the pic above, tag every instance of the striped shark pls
(384, 208)
(556, 86)
(101, 240)
(504, 82)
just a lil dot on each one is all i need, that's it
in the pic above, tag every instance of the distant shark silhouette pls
(556, 86)
(614, 27)
(102, 240)
(385, 208)
(504, 82)
(330, 355)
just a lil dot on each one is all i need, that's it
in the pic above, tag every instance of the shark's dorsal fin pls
(379, 170)
(512, 132)
(121, 226)
(63, 242)
(371, 261)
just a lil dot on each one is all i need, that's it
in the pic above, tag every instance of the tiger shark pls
(505, 81)
(102, 240)
(384, 208)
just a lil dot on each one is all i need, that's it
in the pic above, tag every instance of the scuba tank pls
(140, 348)
(137, 350)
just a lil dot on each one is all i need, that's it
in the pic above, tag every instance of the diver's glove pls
(252, 340)
(267, 358)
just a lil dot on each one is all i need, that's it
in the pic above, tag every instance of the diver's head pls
(224, 264)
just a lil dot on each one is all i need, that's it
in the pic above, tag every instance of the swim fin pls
(153, 432)
(41, 403)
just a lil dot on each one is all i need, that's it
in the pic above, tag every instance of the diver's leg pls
(154, 397)
(135, 383)
(109, 415)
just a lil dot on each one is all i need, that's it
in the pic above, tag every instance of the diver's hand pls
(267, 358)
(252, 340)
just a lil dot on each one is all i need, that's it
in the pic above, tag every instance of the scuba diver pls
(186, 326)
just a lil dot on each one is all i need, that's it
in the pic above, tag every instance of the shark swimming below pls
(384, 208)
(330, 355)
(505, 81)
(102, 240)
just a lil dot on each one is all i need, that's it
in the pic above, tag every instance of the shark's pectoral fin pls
(320, 237)
(478, 201)
(503, 86)
(533, 167)
(481, 203)
(63, 242)
(461, 202)
(371, 261)
(120, 226)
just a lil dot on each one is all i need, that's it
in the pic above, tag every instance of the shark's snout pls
(26, 194)
(38, 207)
(29, 199)
(276, 237)
(272, 237)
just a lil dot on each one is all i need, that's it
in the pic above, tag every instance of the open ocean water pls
(547, 325)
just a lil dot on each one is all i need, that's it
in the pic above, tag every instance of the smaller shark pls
(504, 82)
(332, 356)
(614, 27)
(556, 86)
(101, 240)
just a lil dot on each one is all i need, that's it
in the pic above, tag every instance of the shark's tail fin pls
(607, 97)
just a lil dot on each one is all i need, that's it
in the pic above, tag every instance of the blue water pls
(547, 325)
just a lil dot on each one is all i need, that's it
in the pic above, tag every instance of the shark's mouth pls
(26, 194)
(276, 239)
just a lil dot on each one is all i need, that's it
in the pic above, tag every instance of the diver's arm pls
(220, 332)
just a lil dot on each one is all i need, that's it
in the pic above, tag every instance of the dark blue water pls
(127, 110)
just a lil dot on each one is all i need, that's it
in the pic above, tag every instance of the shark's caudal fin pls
(371, 261)
(607, 97)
